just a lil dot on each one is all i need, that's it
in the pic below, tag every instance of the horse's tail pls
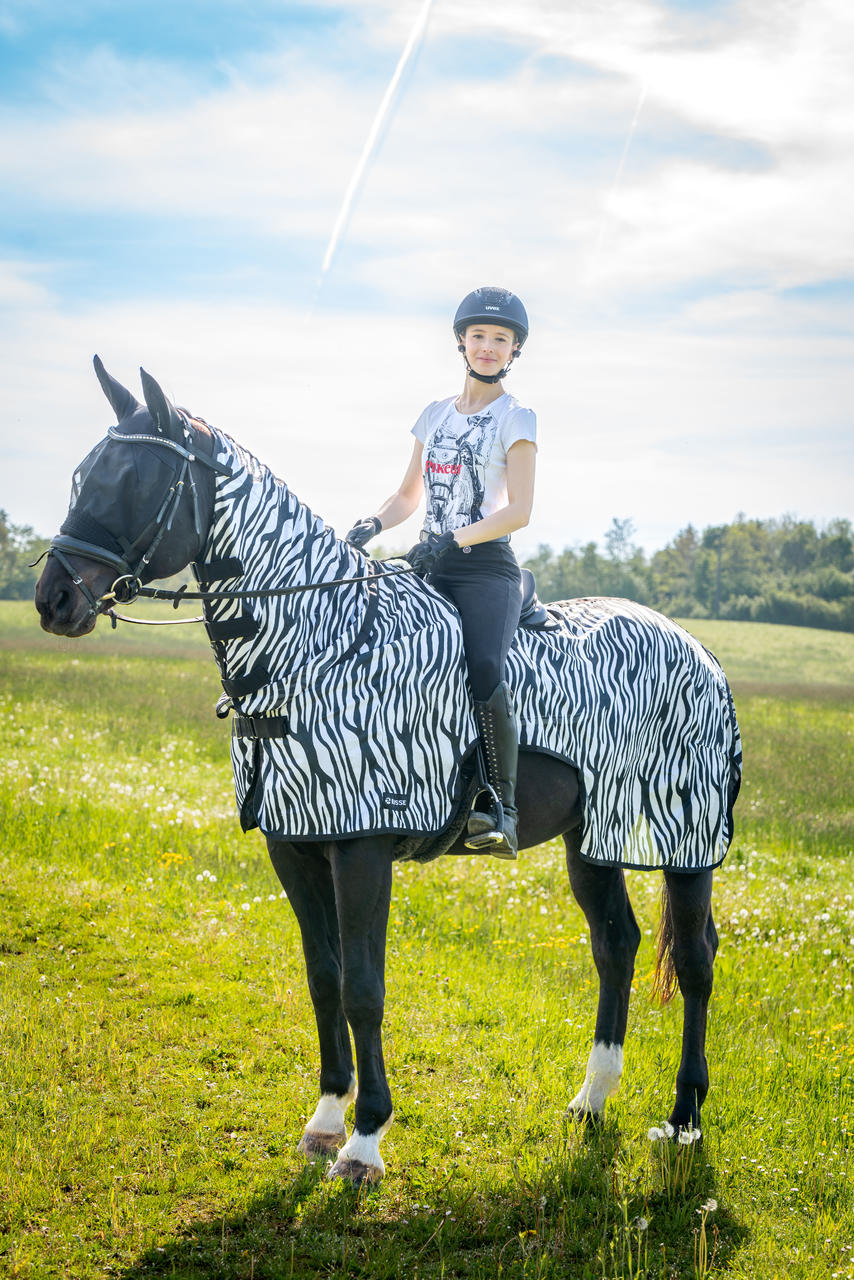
(664, 979)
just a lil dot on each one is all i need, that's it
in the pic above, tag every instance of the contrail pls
(615, 186)
(412, 43)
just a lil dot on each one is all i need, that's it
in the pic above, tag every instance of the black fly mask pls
(127, 492)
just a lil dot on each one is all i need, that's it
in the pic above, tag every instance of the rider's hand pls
(425, 555)
(363, 531)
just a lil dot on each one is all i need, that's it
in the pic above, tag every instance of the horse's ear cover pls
(166, 417)
(121, 400)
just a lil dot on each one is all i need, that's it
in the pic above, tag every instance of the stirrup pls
(494, 842)
(490, 818)
(490, 834)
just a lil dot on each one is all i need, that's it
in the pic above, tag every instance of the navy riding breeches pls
(485, 584)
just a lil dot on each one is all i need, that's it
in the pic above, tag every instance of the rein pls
(128, 588)
(128, 585)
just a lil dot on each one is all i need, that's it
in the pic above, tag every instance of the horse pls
(163, 491)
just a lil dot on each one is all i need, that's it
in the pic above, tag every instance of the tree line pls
(19, 546)
(784, 570)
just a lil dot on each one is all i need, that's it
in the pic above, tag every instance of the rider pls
(475, 453)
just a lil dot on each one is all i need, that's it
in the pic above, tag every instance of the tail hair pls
(664, 984)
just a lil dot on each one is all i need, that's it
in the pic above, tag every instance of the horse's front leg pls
(361, 873)
(614, 939)
(306, 877)
(694, 946)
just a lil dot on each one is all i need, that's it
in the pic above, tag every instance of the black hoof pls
(586, 1119)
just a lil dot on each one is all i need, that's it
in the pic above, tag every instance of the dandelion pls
(709, 1206)
(655, 1134)
(640, 1224)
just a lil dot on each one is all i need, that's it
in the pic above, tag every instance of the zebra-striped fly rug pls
(367, 688)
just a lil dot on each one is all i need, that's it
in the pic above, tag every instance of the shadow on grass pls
(559, 1213)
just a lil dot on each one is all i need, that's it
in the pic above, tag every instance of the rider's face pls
(489, 347)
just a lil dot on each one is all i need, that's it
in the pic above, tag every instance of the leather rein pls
(128, 586)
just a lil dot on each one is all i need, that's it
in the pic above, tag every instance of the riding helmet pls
(492, 306)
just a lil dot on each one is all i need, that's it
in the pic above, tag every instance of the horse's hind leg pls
(307, 879)
(614, 937)
(694, 945)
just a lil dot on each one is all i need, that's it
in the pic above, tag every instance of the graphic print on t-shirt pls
(455, 472)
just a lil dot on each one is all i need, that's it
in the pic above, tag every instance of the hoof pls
(354, 1171)
(320, 1146)
(583, 1117)
(685, 1131)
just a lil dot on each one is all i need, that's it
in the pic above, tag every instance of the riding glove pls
(424, 555)
(363, 531)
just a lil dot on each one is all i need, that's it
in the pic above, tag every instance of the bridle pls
(129, 565)
(127, 586)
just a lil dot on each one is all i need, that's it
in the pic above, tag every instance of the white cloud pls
(661, 428)
(17, 286)
(493, 168)
(724, 398)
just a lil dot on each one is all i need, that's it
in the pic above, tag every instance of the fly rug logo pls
(394, 800)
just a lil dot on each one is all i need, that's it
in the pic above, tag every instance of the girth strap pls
(240, 686)
(241, 628)
(219, 570)
(260, 726)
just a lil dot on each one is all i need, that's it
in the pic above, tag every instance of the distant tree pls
(763, 570)
(618, 541)
(19, 545)
(673, 573)
(798, 544)
(836, 545)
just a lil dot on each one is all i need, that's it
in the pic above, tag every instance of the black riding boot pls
(493, 830)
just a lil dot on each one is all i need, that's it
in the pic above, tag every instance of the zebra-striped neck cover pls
(371, 679)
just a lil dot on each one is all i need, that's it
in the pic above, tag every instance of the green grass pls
(762, 653)
(158, 1051)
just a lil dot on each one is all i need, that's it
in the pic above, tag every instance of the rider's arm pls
(400, 505)
(521, 461)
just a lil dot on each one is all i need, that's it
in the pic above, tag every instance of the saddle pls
(535, 614)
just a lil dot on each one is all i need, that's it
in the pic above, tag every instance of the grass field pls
(158, 1051)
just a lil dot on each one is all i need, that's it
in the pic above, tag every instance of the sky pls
(667, 184)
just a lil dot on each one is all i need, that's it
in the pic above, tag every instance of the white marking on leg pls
(330, 1111)
(364, 1149)
(604, 1068)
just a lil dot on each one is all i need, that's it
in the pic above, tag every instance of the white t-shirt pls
(464, 463)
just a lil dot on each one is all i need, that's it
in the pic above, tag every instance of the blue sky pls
(669, 187)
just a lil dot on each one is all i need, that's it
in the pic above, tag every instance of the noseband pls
(128, 582)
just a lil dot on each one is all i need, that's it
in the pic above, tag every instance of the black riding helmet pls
(490, 305)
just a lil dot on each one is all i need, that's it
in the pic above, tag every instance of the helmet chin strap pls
(484, 377)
